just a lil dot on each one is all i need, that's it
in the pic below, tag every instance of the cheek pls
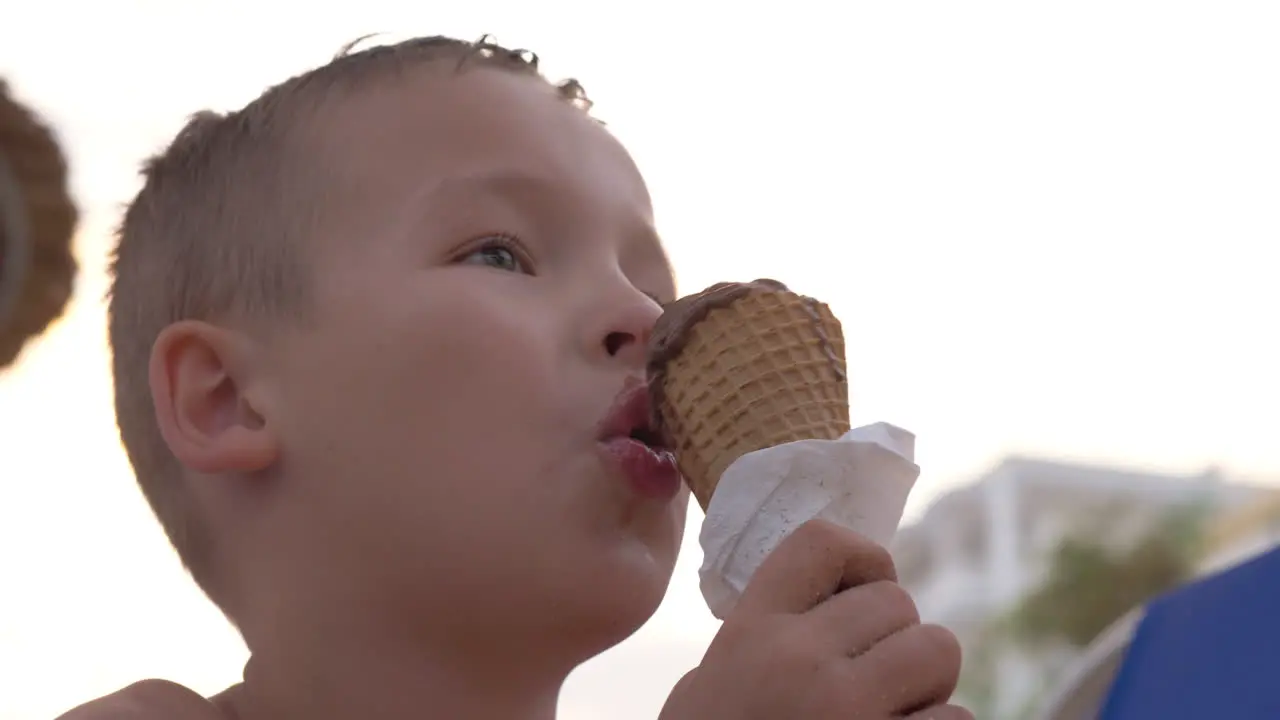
(446, 402)
(482, 378)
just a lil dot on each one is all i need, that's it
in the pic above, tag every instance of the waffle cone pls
(766, 369)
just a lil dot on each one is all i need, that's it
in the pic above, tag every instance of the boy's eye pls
(498, 254)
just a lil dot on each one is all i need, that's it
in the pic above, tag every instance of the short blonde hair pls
(218, 232)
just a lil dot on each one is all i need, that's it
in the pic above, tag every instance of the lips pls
(635, 447)
(630, 416)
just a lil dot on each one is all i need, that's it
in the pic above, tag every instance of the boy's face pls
(486, 276)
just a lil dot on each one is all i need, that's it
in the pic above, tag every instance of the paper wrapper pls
(860, 481)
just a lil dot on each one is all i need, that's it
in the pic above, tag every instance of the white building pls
(980, 548)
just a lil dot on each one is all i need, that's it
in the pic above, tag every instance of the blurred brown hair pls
(37, 221)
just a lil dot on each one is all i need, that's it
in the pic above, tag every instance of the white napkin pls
(860, 481)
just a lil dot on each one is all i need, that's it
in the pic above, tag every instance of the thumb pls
(811, 564)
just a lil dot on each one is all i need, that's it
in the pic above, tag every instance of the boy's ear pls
(210, 399)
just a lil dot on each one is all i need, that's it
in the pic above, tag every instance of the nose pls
(621, 334)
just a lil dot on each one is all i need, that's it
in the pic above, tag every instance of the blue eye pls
(499, 254)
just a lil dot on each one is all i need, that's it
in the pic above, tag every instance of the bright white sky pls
(1048, 227)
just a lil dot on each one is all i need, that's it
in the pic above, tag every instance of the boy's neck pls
(336, 679)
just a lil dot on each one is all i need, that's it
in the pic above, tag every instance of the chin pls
(608, 622)
(618, 602)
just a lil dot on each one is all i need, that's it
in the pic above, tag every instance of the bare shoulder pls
(148, 700)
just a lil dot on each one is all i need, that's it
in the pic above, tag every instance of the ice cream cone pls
(742, 367)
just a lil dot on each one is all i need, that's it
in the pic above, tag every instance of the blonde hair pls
(218, 232)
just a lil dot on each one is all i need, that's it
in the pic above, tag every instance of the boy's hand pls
(824, 631)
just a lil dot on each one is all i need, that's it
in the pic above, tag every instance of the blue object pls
(1206, 651)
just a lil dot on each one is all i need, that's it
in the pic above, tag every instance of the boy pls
(378, 340)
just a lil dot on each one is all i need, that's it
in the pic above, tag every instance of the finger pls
(941, 712)
(811, 565)
(678, 705)
(854, 620)
(916, 668)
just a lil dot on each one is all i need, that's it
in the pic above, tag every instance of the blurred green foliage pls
(1090, 585)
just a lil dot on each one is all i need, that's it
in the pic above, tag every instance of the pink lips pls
(630, 441)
